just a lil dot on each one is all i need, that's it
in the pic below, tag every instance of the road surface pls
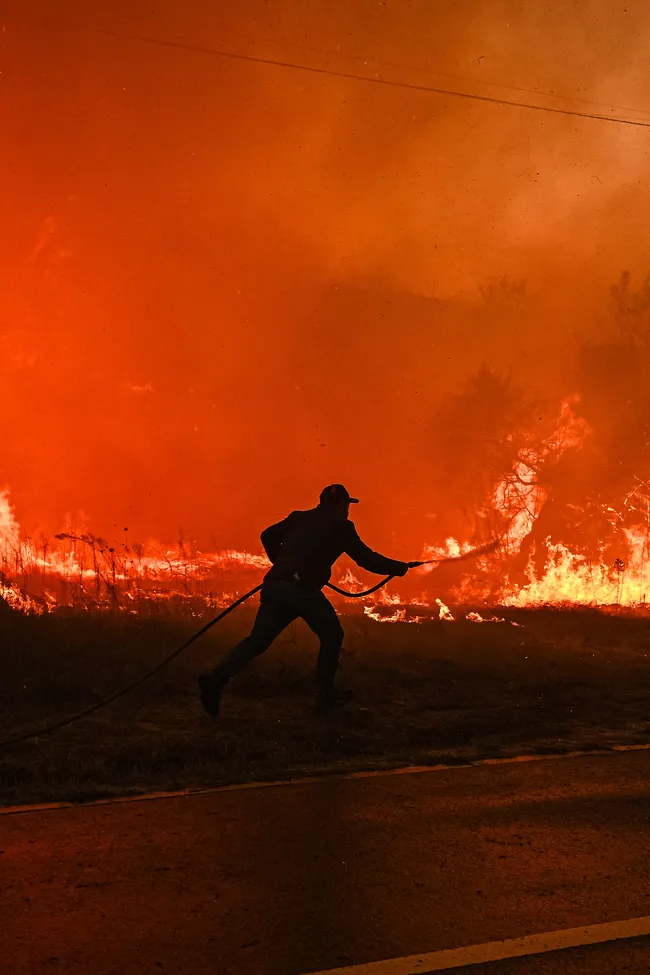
(304, 878)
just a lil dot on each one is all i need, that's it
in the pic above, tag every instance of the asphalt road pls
(303, 878)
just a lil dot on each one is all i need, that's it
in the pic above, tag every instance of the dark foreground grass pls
(424, 694)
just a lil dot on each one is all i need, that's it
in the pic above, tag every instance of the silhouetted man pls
(302, 550)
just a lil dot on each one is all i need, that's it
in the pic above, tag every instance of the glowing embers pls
(402, 611)
(397, 616)
(477, 618)
(403, 614)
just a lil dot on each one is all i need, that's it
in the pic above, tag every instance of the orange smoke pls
(227, 284)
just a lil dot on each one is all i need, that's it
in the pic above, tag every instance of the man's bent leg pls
(320, 616)
(272, 618)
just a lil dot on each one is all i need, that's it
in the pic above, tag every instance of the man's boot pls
(211, 688)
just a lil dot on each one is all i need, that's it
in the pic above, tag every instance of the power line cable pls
(370, 60)
(351, 76)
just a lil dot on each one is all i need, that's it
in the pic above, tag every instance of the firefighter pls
(302, 550)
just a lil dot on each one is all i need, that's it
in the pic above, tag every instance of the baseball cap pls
(336, 494)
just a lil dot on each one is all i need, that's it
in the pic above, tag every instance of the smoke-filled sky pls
(225, 283)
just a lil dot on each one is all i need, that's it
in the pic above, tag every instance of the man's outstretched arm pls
(372, 561)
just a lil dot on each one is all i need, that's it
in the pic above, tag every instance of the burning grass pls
(606, 563)
(432, 692)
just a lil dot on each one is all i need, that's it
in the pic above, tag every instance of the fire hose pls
(48, 729)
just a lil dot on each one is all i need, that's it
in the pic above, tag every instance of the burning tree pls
(480, 433)
(500, 453)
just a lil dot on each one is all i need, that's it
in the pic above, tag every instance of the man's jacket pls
(304, 546)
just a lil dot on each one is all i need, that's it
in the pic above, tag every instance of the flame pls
(571, 579)
(79, 569)
(22, 602)
(9, 530)
(444, 612)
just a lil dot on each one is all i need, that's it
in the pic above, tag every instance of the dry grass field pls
(424, 693)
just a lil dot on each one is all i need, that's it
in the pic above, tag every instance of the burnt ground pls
(424, 694)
